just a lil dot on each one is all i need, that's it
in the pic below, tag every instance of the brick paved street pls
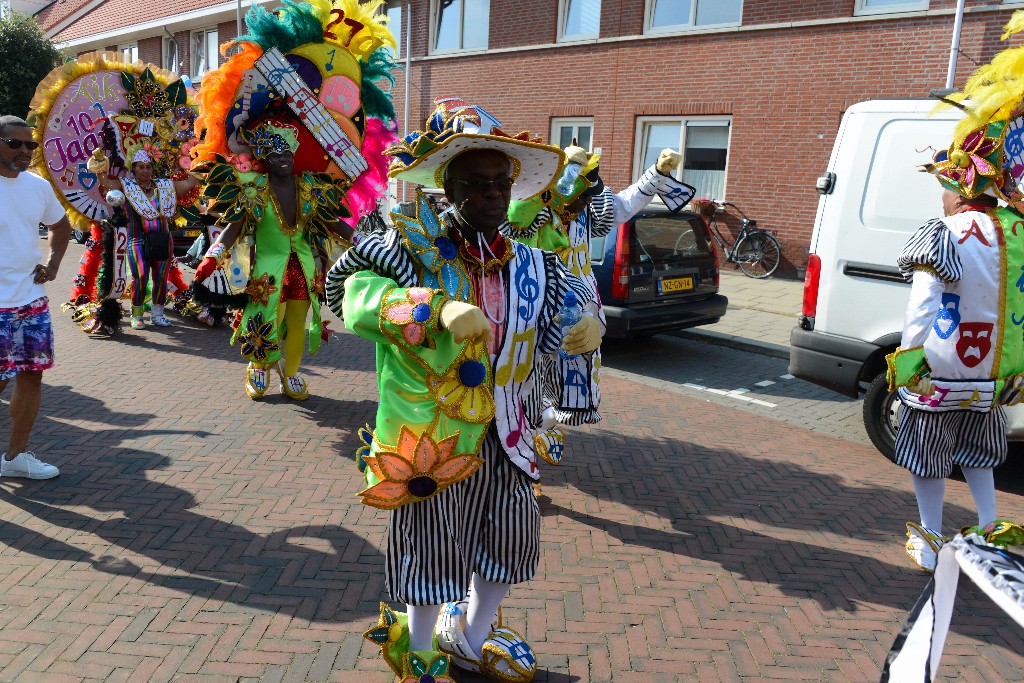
(194, 535)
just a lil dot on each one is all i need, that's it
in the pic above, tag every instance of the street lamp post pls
(955, 47)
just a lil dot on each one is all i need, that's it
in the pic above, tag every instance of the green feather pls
(286, 28)
(376, 102)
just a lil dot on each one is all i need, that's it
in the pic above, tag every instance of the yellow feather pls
(1015, 25)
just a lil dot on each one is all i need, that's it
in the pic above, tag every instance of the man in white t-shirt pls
(26, 332)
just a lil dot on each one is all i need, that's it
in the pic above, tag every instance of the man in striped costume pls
(962, 354)
(460, 314)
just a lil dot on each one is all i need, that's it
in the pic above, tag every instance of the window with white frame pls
(884, 6)
(704, 143)
(393, 10)
(672, 15)
(460, 25)
(129, 53)
(565, 130)
(579, 19)
(204, 55)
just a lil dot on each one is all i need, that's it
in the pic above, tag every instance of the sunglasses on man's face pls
(480, 186)
(17, 144)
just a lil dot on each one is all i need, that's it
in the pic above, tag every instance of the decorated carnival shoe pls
(507, 657)
(550, 445)
(138, 323)
(255, 381)
(1001, 532)
(392, 635)
(294, 387)
(923, 546)
(450, 634)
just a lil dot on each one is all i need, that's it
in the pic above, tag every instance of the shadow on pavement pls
(765, 520)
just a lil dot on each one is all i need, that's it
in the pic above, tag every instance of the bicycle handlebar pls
(720, 205)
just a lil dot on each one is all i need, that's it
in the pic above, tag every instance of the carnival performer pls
(566, 220)
(961, 357)
(150, 205)
(293, 129)
(144, 134)
(459, 314)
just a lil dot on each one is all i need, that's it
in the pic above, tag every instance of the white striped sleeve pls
(379, 252)
(931, 246)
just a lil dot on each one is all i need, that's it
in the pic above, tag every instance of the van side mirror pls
(825, 183)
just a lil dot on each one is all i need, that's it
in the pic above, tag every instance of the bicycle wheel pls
(686, 243)
(758, 254)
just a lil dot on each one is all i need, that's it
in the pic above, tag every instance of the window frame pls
(168, 52)
(558, 122)
(859, 8)
(192, 64)
(682, 120)
(435, 23)
(400, 4)
(129, 47)
(563, 17)
(649, 28)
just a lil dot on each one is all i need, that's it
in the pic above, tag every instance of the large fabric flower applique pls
(261, 288)
(972, 165)
(392, 635)
(463, 393)
(418, 468)
(256, 342)
(439, 254)
(417, 669)
(414, 314)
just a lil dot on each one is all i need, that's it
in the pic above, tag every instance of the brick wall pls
(785, 88)
(151, 51)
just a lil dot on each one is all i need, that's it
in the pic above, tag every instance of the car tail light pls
(811, 278)
(620, 269)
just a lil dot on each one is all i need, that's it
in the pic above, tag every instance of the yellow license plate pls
(676, 284)
(193, 233)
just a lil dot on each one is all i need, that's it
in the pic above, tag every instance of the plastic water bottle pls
(568, 179)
(571, 313)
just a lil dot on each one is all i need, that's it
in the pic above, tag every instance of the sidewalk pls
(761, 314)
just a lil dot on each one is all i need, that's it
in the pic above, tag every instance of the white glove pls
(548, 419)
(668, 161)
(97, 163)
(465, 321)
(583, 337)
(924, 387)
(576, 155)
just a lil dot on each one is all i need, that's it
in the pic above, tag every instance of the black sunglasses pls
(480, 186)
(16, 144)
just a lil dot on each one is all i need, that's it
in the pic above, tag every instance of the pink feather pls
(362, 197)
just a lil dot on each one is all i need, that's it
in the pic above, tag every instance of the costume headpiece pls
(310, 66)
(141, 156)
(266, 139)
(987, 152)
(100, 102)
(456, 126)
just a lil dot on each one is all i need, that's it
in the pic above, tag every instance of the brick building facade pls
(753, 90)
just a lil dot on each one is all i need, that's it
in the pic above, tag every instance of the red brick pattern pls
(195, 535)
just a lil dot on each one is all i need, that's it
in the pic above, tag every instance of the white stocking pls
(484, 600)
(930, 492)
(983, 490)
(422, 619)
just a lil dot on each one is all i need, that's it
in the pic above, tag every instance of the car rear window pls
(665, 239)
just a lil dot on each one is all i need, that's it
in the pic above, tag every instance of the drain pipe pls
(955, 47)
(408, 68)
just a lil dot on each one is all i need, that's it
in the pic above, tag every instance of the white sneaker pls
(160, 321)
(923, 546)
(27, 466)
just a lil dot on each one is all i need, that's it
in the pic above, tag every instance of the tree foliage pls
(26, 57)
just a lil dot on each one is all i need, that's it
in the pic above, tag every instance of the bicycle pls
(757, 252)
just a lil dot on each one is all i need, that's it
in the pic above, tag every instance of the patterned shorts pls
(26, 339)
(929, 444)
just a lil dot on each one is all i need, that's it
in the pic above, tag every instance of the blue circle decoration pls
(421, 313)
(445, 248)
(472, 373)
(422, 487)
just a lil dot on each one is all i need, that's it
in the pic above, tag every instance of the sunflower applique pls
(256, 342)
(417, 469)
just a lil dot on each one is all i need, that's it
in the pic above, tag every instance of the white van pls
(872, 199)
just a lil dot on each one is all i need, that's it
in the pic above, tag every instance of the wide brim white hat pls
(456, 127)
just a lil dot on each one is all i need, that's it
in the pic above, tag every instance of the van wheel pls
(882, 415)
